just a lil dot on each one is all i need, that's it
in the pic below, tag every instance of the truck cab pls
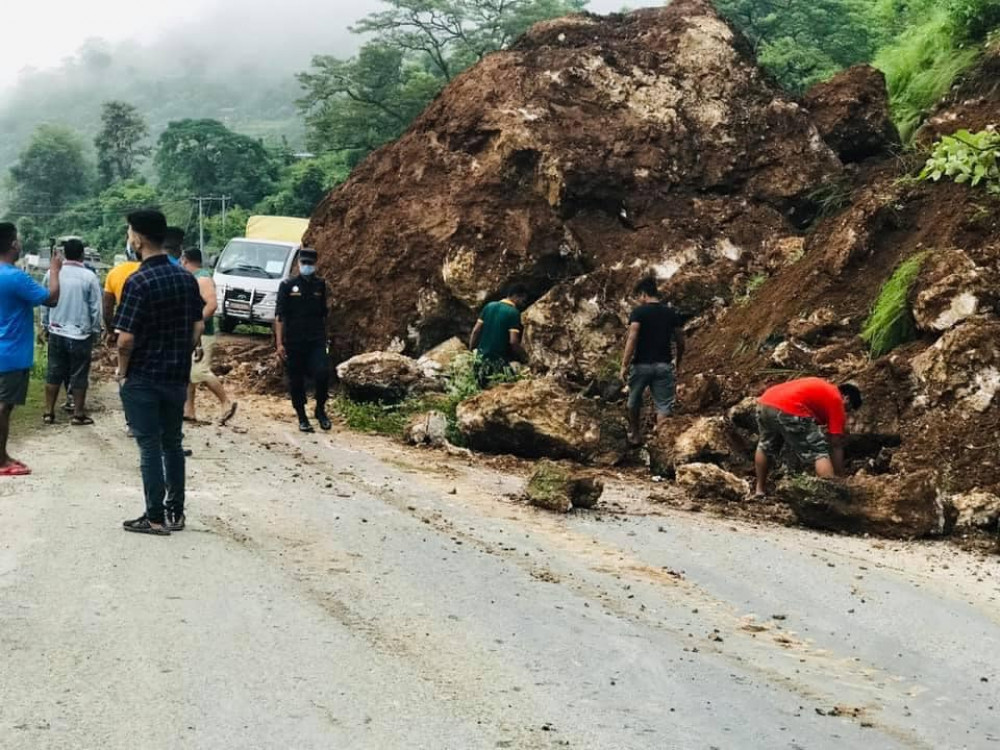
(251, 268)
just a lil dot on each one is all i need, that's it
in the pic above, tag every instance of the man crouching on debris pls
(496, 337)
(655, 343)
(796, 413)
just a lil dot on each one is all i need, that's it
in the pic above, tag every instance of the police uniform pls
(302, 309)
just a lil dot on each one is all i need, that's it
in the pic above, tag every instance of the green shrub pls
(965, 157)
(891, 321)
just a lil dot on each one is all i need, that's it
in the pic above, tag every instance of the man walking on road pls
(72, 327)
(201, 370)
(796, 413)
(300, 338)
(496, 337)
(159, 324)
(19, 295)
(653, 353)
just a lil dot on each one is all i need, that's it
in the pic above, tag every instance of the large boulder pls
(688, 440)
(540, 418)
(646, 142)
(709, 482)
(962, 368)
(851, 111)
(903, 506)
(380, 376)
(560, 487)
(438, 361)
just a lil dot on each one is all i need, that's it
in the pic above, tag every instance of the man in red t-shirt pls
(796, 413)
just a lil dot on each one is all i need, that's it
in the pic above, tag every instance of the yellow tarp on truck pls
(276, 228)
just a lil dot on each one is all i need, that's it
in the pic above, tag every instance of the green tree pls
(218, 233)
(802, 43)
(204, 157)
(416, 48)
(304, 184)
(120, 147)
(51, 173)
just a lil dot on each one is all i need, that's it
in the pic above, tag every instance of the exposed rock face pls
(851, 111)
(688, 440)
(963, 367)
(560, 487)
(646, 142)
(540, 418)
(952, 289)
(903, 507)
(430, 428)
(379, 376)
(709, 482)
(975, 509)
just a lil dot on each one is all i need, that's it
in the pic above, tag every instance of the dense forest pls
(269, 140)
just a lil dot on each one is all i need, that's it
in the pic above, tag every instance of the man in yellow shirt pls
(113, 286)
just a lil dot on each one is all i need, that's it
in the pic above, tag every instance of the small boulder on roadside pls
(975, 510)
(560, 487)
(689, 440)
(709, 482)
(429, 428)
(436, 362)
(380, 376)
(905, 506)
(542, 419)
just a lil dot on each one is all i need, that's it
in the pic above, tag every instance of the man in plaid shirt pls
(159, 323)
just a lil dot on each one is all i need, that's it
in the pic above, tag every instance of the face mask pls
(307, 270)
(130, 251)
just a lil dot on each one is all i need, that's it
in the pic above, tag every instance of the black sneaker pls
(324, 421)
(304, 425)
(141, 525)
(176, 521)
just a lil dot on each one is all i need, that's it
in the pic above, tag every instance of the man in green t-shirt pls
(497, 335)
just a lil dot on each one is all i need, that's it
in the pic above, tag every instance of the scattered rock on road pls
(709, 482)
(560, 487)
(688, 440)
(429, 428)
(975, 509)
(380, 376)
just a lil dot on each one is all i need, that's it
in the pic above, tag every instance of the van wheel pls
(228, 325)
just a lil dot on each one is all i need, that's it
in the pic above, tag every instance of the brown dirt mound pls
(618, 146)
(249, 364)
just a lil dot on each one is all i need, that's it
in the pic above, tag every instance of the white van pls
(250, 270)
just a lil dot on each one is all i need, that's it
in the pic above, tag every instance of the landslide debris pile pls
(600, 150)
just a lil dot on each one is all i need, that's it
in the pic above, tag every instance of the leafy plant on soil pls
(965, 157)
(891, 321)
(754, 283)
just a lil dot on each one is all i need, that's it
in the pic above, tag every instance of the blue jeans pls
(659, 378)
(155, 412)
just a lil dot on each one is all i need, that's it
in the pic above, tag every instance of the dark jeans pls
(308, 360)
(155, 412)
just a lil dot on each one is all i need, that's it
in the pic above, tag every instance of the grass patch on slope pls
(891, 321)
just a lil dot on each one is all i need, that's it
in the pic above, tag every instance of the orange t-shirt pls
(809, 397)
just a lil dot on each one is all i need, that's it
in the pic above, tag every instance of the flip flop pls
(81, 421)
(49, 418)
(230, 413)
(14, 469)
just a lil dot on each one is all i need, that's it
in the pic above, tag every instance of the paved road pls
(340, 592)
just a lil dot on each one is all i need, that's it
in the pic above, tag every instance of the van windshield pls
(243, 258)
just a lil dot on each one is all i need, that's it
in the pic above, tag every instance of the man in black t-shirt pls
(300, 338)
(652, 356)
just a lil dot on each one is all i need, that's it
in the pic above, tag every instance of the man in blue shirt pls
(19, 295)
(159, 323)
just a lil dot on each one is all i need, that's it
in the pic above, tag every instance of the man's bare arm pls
(126, 345)
(55, 266)
(109, 313)
(477, 333)
(207, 288)
(517, 348)
(837, 454)
(630, 344)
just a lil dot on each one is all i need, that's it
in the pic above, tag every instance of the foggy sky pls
(41, 34)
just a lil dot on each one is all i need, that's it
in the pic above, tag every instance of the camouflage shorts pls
(802, 435)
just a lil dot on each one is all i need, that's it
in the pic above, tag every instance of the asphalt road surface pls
(338, 591)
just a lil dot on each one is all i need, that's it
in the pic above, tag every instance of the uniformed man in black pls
(300, 336)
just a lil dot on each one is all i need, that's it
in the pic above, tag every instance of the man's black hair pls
(517, 291)
(8, 233)
(150, 224)
(173, 241)
(193, 255)
(852, 393)
(647, 287)
(73, 249)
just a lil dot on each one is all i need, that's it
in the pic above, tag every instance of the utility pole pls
(201, 226)
(224, 229)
